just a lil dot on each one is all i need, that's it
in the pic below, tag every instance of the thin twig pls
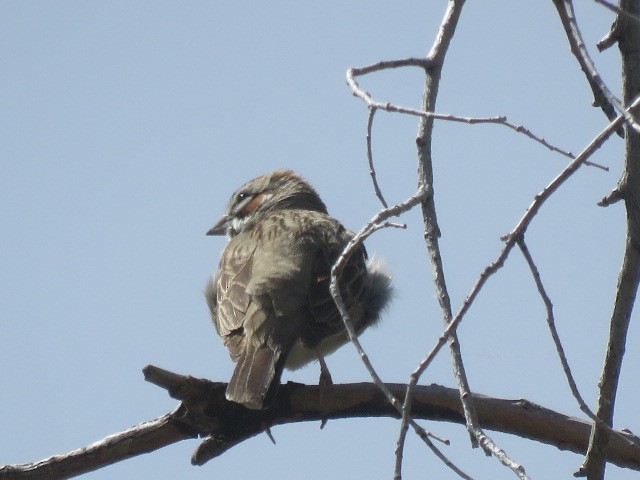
(552, 328)
(558, 344)
(372, 170)
(374, 224)
(421, 62)
(618, 10)
(612, 197)
(377, 222)
(612, 35)
(435, 59)
(511, 239)
(352, 73)
(589, 150)
(603, 97)
(431, 230)
(520, 229)
(431, 236)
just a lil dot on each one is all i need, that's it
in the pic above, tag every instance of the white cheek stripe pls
(237, 223)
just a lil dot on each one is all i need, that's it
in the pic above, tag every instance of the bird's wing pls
(232, 301)
(260, 299)
(352, 282)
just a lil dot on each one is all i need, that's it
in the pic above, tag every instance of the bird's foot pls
(324, 382)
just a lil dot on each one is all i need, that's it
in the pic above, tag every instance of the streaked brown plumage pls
(269, 299)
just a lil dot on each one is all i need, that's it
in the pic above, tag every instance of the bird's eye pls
(242, 196)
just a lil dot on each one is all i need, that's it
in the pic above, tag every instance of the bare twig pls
(556, 339)
(423, 63)
(431, 236)
(377, 222)
(432, 230)
(353, 73)
(589, 150)
(603, 97)
(372, 170)
(614, 32)
(519, 230)
(448, 331)
(552, 328)
(613, 197)
(618, 10)
(609, 39)
(432, 66)
(515, 235)
(336, 272)
(435, 59)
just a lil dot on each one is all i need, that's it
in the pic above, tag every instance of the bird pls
(269, 298)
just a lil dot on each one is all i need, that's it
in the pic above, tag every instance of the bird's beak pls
(221, 227)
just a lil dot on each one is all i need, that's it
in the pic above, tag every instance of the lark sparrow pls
(269, 299)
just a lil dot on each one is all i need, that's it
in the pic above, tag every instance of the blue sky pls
(126, 126)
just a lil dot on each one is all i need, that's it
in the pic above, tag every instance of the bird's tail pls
(255, 380)
(379, 293)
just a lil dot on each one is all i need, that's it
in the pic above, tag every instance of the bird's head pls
(278, 190)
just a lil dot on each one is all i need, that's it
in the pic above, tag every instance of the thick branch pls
(204, 411)
(629, 190)
(143, 438)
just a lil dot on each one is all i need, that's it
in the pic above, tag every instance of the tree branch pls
(431, 236)
(357, 91)
(629, 278)
(143, 438)
(205, 412)
(431, 229)
(602, 96)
